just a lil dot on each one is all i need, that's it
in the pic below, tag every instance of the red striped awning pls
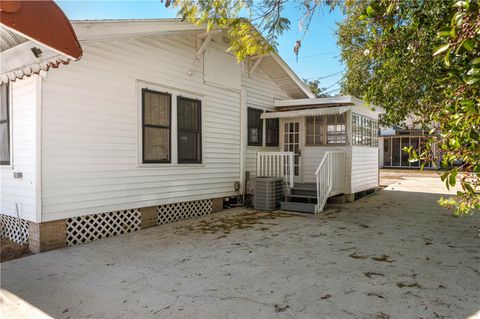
(36, 35)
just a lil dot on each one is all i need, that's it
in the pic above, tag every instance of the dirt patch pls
(374, 294)
(11, 250)
(280, 308)
(356, 256)
(238, 221)
(383, 258)
(408, 284)
(381, 315)
(373, 274)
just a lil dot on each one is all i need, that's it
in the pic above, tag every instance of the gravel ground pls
(395, 254)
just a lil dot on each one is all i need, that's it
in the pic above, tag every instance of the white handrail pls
(276, 164)
(331, 163)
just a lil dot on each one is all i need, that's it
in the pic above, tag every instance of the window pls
(336, 129)
(272, 126)
(156, 112)
(254, 127)
(4, 126)
(189, 119)
(365, 130)
(315, 134)
(326, 129)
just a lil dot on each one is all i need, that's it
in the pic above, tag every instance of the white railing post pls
(276, 164)
(330, 172)
(259, 156)
(291, 168)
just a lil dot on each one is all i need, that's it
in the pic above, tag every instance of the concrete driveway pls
(395, 254)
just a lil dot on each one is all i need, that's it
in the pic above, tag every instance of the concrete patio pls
(395, 254)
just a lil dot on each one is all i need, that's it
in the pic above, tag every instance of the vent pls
(170, 213)
(13, 228)
(84, 229)
(268, 193)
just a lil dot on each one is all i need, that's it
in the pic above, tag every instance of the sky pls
(319, 56)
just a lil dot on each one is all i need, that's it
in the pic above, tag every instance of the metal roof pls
(9, 39)
(306, 112)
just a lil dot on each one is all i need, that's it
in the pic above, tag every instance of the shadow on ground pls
(396, 254)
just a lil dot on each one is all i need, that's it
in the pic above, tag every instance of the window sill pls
(169, 165)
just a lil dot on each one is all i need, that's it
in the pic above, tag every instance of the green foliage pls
(421, 57)
(315, 88)
(253, 26)
(245, 38)
(409, 56)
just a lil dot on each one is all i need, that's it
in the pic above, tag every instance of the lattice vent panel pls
(14, 229)
(249, 200)
(84, 229)
(170, 213)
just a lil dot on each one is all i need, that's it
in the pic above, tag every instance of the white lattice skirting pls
(84, 229)
(14, 229)
(170, 213)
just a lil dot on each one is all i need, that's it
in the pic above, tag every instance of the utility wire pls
(324, 77)
(332, 85)
(327, 92)
(312, 56)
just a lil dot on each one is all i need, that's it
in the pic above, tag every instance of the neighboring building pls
(157, 122)
(392, 141)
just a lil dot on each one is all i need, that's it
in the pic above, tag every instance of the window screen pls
(326, 129)
(4, 126)
(157, 108)
(189, 119)
(254, 127)
(365, 130)
(272, 126)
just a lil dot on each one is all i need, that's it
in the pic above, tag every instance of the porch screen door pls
(291, 143)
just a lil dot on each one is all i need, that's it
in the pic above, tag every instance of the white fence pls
(330, 175)
(276, 164)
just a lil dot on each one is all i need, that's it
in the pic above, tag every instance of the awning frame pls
(307, 112)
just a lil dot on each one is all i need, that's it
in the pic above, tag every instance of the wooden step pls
(312, 192)
(301, 196)
(298, 207)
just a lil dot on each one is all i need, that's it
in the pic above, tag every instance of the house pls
(393, 140)
(156, 123)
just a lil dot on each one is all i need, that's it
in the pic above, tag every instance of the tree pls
(410, 56)
(253, 25)
(315, 88)
(421, 57)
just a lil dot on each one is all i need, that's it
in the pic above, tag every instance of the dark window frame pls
(169, 127)
(198, 131)
(276, 143)
(7, 121)
(260, 128)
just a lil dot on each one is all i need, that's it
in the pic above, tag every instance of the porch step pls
(311, 197)
(301, 191)
(298, 207)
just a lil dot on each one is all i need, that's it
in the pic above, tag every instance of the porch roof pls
(35, 35)
(306, 112)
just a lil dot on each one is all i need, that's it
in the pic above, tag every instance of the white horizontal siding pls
(23, 125)
(260, 93)
(312, 156)
(364, 168)
(90, 130)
